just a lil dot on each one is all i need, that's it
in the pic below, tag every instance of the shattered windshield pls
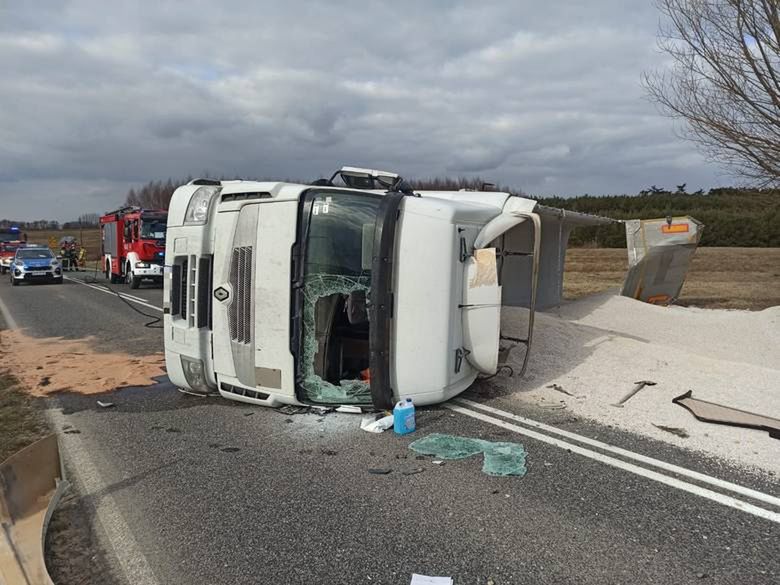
(334, 352)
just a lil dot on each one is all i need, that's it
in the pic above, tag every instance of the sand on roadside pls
(597, 347)
(46, 366)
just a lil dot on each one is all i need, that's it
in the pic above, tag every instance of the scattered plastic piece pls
(105, 404)
(350, 409)
(404, 417)
(500, 458)
(414, 471)
(559, 388)
(321, 409)
(379, 470)
(438, 462)
(290, 409)
(425, 580)
(674, 430)
(372, 424)
(726, 415)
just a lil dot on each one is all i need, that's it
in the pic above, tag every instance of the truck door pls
(251, 298)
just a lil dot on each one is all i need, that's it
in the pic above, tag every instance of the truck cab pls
(355, 290)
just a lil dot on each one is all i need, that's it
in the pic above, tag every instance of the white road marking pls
(713, 481)
(132, 562)
(7, 317)
(620, 464)
(127, 297)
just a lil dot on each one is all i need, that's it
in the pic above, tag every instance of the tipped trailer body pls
(353, 290)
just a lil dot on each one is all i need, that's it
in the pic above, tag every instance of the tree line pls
(732, 216)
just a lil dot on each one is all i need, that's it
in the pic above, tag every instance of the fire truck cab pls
(133, 241)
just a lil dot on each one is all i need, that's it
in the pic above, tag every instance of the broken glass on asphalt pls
(500, 458)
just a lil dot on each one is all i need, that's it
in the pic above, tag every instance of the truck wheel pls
(131, 279)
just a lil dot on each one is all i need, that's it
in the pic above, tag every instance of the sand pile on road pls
(597, 347)
(49, 365)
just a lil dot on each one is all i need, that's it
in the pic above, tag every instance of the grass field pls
(719, 278)
(89, 237)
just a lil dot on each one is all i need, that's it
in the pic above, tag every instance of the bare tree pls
(725, 80)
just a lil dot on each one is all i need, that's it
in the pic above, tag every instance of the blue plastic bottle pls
(403, 417)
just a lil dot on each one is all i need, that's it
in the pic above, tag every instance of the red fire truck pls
(133, 242)
(10, 239)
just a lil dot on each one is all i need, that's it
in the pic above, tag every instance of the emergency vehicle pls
(133, 243)
(10, 240)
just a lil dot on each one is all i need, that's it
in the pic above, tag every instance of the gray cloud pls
(98, 97)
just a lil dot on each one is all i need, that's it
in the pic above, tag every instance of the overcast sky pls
(545, 96)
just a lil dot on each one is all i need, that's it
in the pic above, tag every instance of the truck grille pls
(191, 283)
(240, 310)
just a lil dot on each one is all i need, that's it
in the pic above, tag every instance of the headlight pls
(55, 263)
(142, 265)
(19, 263)
(198, 208)
(195, 374)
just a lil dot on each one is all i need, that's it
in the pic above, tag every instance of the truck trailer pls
(133, 244)
(353, 290)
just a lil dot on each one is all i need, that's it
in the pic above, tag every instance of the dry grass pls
(89, 238)
(723, 278)
(21, 422)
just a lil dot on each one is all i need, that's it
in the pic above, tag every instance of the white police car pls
(35, 264)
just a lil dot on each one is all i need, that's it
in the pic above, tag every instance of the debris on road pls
(374, 423)
(674, 430)
(350, 409)
(558, 388)
(426, 580)
(638, 386)
(500, 458)
(414, 471)
(379, 470)
(290, 409)
(726, 415)
(102, 404)
(404, 417)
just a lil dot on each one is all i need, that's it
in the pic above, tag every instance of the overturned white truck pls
(354, 290)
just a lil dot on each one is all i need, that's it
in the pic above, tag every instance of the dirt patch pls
(47, 366)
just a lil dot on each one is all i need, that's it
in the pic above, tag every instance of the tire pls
(58, 280)
(14, 282)
(132, 281)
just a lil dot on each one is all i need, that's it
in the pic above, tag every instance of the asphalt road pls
(206, 491)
